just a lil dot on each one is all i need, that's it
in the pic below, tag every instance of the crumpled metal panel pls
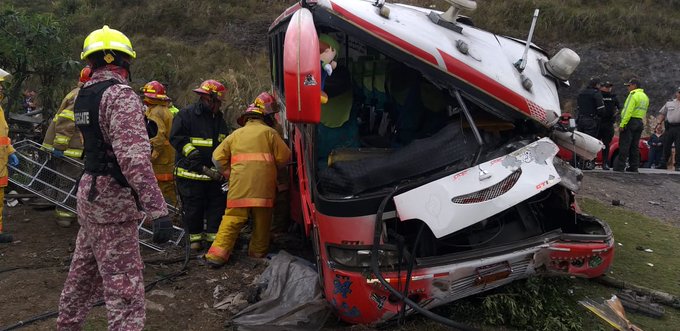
(438, 203)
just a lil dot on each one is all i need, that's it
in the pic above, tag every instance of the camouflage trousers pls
(107, 263)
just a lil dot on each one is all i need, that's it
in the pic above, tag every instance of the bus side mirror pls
(302, 70)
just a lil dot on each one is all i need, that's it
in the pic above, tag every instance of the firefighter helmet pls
(267, 103)
(85, 74)
(264, 105)
(212, 87)
(107, 39)
(155, 90)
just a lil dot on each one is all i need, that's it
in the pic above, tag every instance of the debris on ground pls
(641, 303)
(611, 311)
(290, 299)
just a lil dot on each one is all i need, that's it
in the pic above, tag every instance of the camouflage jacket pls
(121, 119)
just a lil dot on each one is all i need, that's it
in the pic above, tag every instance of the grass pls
(552, 303)
(632, 230)
(181, 43)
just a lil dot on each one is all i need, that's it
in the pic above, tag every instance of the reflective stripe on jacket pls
(635, 106)
(62, 133)
(197, 128)
(252, 154)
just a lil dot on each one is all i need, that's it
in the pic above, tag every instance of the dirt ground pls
(34, 267)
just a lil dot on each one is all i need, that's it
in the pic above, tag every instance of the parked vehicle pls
(430, 174)
(568, 156)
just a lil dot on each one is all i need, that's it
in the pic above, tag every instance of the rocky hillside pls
(181, 43)
(658, 69)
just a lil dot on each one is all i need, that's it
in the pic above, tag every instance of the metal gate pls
(56, 180)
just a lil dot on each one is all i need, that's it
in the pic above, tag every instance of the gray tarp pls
(292, 299)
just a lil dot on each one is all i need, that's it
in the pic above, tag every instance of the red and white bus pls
(431, 172)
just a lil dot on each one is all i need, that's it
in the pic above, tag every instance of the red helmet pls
(212, 87)
(265, 104)
(155, 90)
(85, 74)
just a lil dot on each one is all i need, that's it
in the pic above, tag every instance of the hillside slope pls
(182, 43)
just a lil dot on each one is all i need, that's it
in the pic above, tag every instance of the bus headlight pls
(360, 257)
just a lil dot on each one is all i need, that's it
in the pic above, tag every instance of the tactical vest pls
(99, 157)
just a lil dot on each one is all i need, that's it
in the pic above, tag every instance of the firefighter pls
(196, 131)
(64, 139)
(162, 154)
(6, 157)
(249, 158)
(116, 192)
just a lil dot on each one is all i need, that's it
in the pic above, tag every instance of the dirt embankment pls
(656, 69)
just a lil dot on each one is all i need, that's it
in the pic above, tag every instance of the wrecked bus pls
(430, 173)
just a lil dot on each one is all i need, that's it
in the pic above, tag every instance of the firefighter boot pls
(64, 217)
(5, 238)
(195, 240)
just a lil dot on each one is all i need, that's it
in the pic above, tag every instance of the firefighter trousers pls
(201, 200)
(233, 221)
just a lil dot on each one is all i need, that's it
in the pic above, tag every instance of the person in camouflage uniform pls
(107, 261)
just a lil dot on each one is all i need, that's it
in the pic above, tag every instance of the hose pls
(376, 271)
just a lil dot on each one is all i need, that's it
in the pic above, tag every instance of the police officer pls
(607, 119)
(630, 128)
(671, 113)
(196, 131)
(117, 191)
(590, 106)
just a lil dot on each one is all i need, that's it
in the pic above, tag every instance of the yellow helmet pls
(107, 39)
(3, 74)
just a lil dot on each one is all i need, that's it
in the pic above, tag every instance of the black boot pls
(605, 166)
(5, 238)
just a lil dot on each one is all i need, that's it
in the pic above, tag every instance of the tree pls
(32, 47)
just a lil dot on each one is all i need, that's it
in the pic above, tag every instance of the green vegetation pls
(31, 45)
(552, 303)
(182, 43)
(609, 23)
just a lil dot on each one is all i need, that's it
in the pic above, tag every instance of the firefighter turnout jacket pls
(196, 128)
(162, 153)
(62, 133)
(5, 150)
(253, 154)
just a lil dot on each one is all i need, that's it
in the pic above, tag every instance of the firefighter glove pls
(195, 162)
(13, 160)
(162, 229)
(58, 153)
(212, 173)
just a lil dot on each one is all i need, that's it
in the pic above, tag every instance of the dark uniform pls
(607, 120)
(590, 106)
(197, 128)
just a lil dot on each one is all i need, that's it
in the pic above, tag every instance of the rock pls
(162, 293)
(150, 305)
